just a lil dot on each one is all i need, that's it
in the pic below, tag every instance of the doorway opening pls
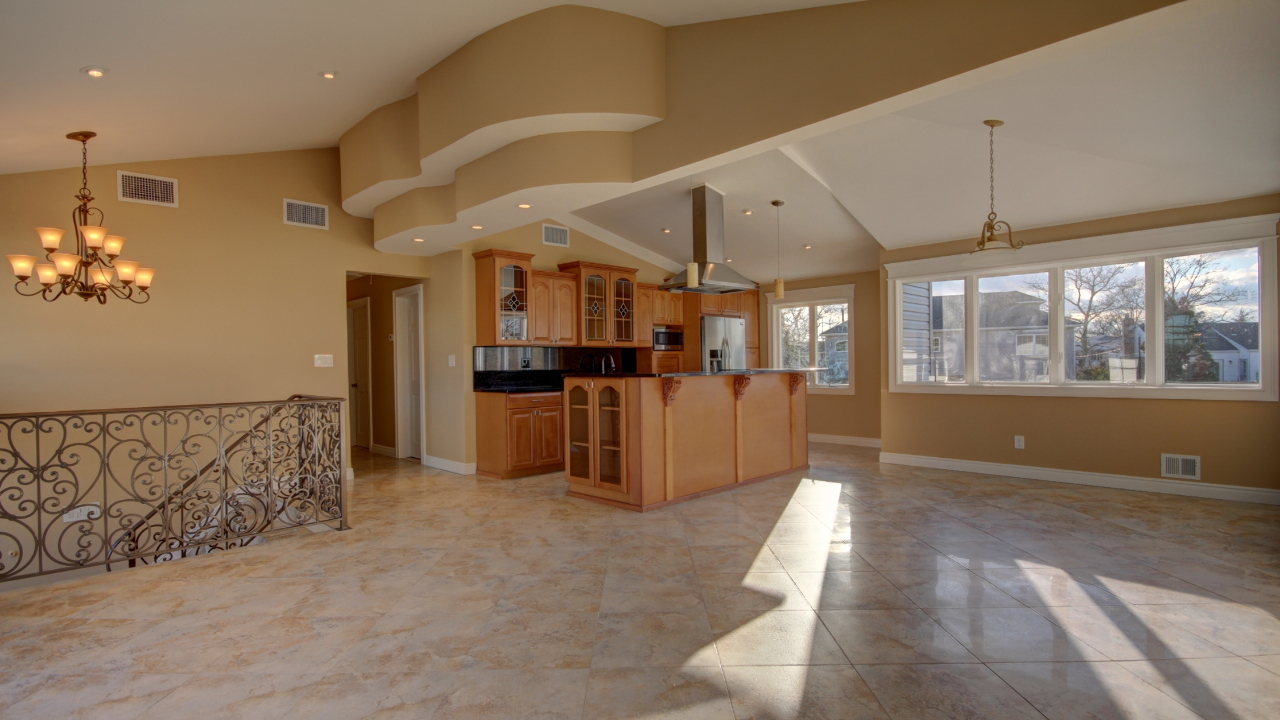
(385, 361)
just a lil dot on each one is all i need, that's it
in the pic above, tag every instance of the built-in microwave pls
(668, 340)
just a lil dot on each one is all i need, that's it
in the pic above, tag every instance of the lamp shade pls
(126, 270)
(93, 235)
(779, 289)
(50, 238)
(22, 265)
(113, 244)
(66, 263)
(144, 276)
(691, 275)
(101, 276)
(48, 274)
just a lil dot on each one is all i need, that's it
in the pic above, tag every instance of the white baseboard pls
(1080, 477)
(452, 466)
(844, 440)
(351, 474)
(382, 450)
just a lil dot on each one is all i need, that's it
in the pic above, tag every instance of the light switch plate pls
(324, 361)
(1019, 442)
(453, 361)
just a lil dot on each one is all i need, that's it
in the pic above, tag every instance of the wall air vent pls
(555, 235)
(306, 214)
(1183, 467)
(149, 189)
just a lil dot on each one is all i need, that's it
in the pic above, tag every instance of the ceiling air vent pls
(149, 189)
(555, 235)
(306, 214)
(1183, 467)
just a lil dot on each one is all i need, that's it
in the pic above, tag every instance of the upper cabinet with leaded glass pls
(503, 297)
(607, 295)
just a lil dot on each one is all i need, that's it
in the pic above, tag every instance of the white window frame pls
(831, 295)
(1148, 246)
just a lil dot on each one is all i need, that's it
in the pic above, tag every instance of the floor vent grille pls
(1183, 467)
(297, 212)
(555, 235)
(148, 189)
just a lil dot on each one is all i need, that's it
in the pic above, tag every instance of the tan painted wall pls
(1236, 440)
(241, 301)
(856, 415)
(382, 361)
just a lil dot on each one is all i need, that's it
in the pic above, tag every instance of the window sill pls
(826, 390)
(1253, 393)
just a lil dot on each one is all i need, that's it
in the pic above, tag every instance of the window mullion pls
(813, 343)
(971, 374)
(1057, 328)
(1155, 321)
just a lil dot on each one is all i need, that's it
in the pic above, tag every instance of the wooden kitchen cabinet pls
(646, 296)
(708, 304)
(607, 297)
(503, 287)
(596, 444)
(666, 362)
(731, 304)
(554, 309)
(668, 307)
(519, 434)
(751, 313)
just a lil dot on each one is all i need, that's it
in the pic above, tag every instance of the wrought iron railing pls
(80, 489)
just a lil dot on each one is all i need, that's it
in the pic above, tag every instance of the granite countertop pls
(757, 371)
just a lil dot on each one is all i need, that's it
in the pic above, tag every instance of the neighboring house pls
(833, 354)
(1234, 345)
(1013, 336)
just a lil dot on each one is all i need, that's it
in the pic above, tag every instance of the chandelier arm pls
(143, 294)
(18, 286)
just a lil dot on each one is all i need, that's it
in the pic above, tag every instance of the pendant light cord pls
(777, 214)
(993, 172)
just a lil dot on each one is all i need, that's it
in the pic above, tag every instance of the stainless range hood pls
(715, 277)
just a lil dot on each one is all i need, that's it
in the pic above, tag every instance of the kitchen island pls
(643, 441)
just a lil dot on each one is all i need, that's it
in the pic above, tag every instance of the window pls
(815, 330)
(1119, 316)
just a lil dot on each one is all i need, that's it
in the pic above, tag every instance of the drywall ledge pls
(452, 466)
(844, 440)
(1079, 477)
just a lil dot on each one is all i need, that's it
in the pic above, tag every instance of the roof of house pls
(1009, 309)
(1216, 334)
(841, 329)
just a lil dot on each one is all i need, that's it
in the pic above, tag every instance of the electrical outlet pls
(1019, 442)
(525, 363)
(453, 361)
(324, 361)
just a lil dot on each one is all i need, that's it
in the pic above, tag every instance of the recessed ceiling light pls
(417, 239)
(748, 212)
(524, 206)
(94, 71)
(808, 247)
(477, 227)
(666, 230)
(328, 75)
(728, 259)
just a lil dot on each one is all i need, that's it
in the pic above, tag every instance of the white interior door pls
(408, 349)
(358, 372)
(415, 379)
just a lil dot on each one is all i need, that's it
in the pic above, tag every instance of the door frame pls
(368, 319)
(413, 293)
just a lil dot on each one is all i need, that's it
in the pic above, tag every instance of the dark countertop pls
(758, 371)
(530, 389)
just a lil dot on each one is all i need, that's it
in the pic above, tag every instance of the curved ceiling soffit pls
(553, 173)
(562, 70)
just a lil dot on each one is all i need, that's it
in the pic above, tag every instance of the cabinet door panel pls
(549, 441)
(610, 429)
(709, 304)
(751, 313)
(565, 320)
(542, 302)
(513, 303)
(666, 362)
(596, 311)
(520, 439)
(578, 434)
(677, 308)
(644, 317)
(753, 358)
(731, 304)
(622, 303)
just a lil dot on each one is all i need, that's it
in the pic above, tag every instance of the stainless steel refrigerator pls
(724, 344)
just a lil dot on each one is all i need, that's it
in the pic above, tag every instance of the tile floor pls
(852, 590)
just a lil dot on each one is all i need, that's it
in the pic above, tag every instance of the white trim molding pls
(1238, 493)
(829, 295)
(1150, 247)
(387, 450)
(452, 466)
(844, 440)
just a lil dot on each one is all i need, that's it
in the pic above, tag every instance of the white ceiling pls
(191, 79)
(1186, 114)
(810, 216)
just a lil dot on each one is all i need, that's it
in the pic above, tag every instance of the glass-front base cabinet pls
(595, 444)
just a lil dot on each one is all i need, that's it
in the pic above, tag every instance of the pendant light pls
(991, 239)
(779, 289)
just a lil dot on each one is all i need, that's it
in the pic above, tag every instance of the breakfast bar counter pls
(643, 441)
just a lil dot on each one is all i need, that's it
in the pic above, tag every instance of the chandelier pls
(991, 239)
(92, 271)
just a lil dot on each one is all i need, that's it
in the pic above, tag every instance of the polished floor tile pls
(851, 590)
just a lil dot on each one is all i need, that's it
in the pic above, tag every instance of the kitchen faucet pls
(610, 368)
(585, 358)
